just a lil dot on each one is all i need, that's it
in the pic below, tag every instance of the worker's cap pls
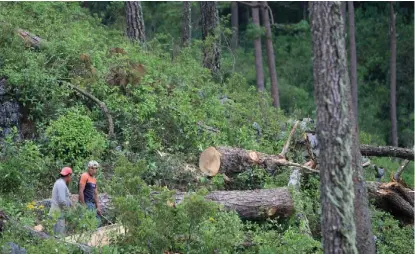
(93, 164)
(66, 171)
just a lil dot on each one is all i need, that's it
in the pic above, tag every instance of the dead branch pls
(102, 106)
(287, 143)
(398, 173)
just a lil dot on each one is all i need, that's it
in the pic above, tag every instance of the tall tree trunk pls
(235, 25)
(211, 47)
(135, 21)
(343, 7)
(331, 83)
(364, 236)
(258, 52)
(187, 24)
(393, 76)
(353, 59)
(270, 55)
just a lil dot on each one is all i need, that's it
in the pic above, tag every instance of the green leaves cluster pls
(73, 139)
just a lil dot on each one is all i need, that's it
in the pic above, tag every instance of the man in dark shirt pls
(88, 190)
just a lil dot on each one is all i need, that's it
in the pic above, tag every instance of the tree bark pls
(353, 59)
(331, 83)
(387, 151)
(343, 7)
(235, 24)
(187, 24)
(135, 21)
(270, 55)
(211, 38)
(393, 76)
(258, 52)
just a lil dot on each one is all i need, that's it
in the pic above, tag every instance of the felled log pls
(231, 160)
(394, 198)
(252, 204)
(387, 151)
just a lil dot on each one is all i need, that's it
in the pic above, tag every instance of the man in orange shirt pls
(88, 190)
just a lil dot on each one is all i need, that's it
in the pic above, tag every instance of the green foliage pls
(154, 226)
(73, 139)
(20, 163)
(390, 236)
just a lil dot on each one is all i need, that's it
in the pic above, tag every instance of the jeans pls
(59, 227)
(91, 206)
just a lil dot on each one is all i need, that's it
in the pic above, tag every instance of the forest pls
(207, 127)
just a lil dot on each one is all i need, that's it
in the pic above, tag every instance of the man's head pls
(92, 167)
(66, 174)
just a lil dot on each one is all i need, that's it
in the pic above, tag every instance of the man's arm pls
(63, 201)
(82, 183)
(97, 200)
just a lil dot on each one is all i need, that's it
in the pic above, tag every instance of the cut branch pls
(102, 106)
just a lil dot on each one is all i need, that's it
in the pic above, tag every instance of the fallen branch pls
(207, 127)
(287, 143)
(387, 151)
(398, 173)
(368, 150)
(102, 106)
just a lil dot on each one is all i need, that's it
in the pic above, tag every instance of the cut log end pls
(209, 161)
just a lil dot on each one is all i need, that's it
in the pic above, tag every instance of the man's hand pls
(99, 212)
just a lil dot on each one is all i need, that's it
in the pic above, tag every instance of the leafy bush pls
(21, 163)
(72, 139)
(390, 236)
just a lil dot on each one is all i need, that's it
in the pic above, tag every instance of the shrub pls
(72, 139)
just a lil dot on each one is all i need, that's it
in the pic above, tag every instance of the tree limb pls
(102, 105)
(387, 151)
(398, 173)
(287, 143)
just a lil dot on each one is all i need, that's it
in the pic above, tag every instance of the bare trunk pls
(211, 49)
(187, 24)
(353, 59)
(135, 21)
(270, 55)
(393, 76)
(258, 53)
(364, 236)
(331, 83)
(235, 24)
